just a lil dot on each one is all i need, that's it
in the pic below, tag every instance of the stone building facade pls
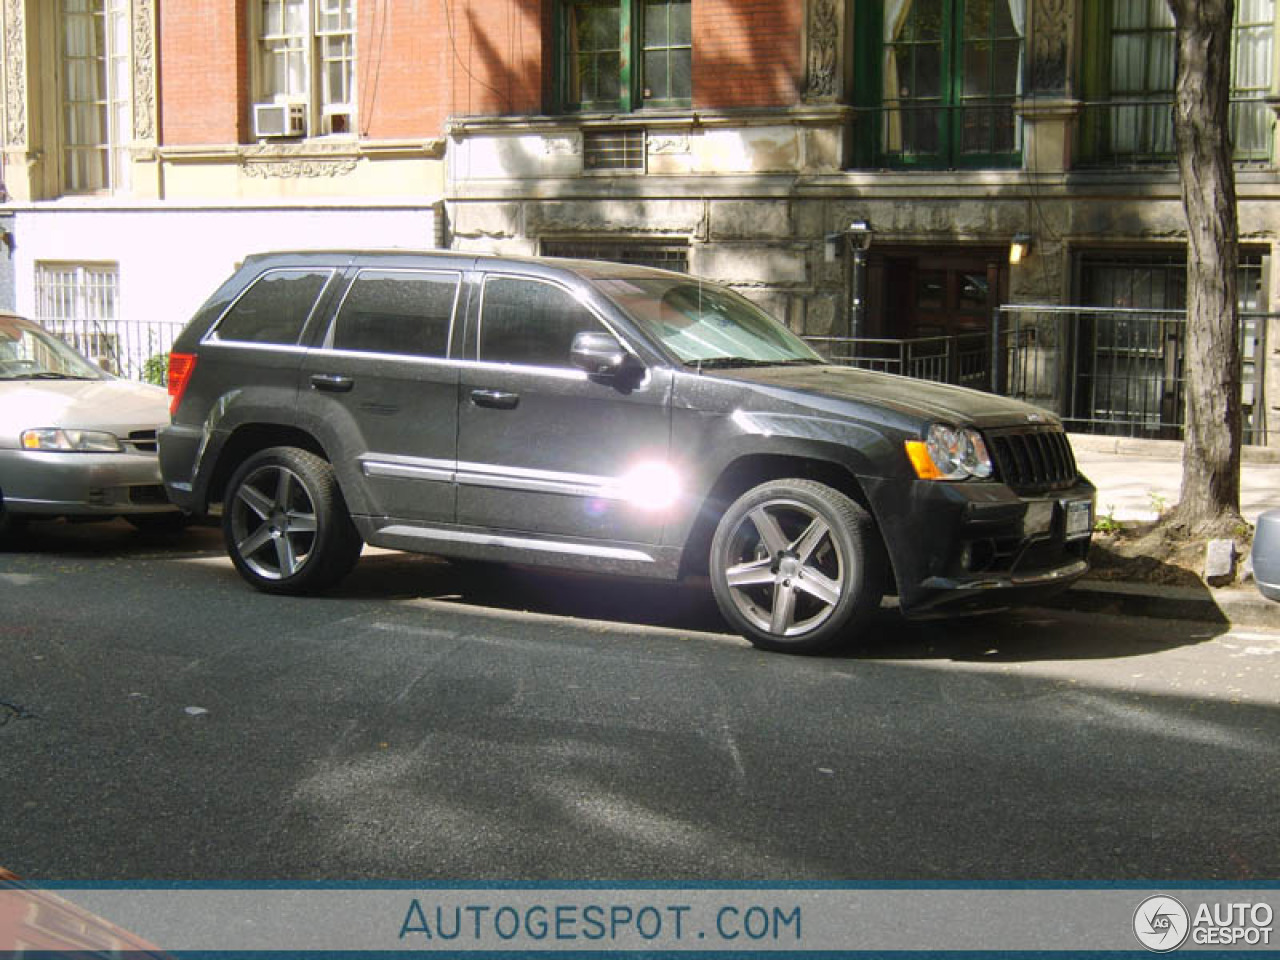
(737, 139)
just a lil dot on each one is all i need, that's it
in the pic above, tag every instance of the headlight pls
(71, 441)
(948, 453)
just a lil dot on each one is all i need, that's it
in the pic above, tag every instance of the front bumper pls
(972, 546)
(39, 483)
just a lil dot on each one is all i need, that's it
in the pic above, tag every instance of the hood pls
(916, 399)
(117, 406)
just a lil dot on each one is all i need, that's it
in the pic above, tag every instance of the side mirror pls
(599, 354)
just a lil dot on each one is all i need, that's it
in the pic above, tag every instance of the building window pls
(1128, 80)
(941, 81)
(626, 54)
(79, 302)
(647, 253)
(1130, 364)
(97, 95)
(305, 68)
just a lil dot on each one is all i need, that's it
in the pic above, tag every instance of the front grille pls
(1033, 461)
(144, 441)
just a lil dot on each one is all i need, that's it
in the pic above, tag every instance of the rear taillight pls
(181, 366)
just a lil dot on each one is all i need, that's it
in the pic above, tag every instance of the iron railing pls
(1139, 132)
(1102, 370)
(129, 349)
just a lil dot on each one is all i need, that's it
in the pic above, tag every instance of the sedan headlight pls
(71, 441)
(950, 453)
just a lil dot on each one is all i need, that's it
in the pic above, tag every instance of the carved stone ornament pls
(1049, 46)
(568, 145)
(297, 169)
(144, 70)
(15, 74)
(668, 143)
(824, 51)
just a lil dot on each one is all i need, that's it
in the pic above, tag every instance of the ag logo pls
(1161, 923)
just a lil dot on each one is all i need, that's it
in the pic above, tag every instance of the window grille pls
(613, 150)
(666, 256)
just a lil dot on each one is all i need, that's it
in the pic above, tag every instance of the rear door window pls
(401, 312)
(275, 309)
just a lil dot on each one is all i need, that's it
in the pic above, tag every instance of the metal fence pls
(136, 351)
(1105, 371)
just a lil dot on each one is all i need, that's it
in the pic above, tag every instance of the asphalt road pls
(160, 720)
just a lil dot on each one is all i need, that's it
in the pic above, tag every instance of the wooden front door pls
(939, 294)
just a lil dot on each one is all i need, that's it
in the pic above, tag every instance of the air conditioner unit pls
(280, 119)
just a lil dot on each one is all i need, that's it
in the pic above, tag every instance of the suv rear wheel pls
(792, 566)
(285, 523)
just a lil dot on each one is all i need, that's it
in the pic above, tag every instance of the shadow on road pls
(1040, 634)
(1025, 635)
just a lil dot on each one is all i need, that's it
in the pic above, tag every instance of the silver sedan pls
(74, 440)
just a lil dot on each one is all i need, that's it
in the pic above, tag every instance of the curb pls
(1232, 606)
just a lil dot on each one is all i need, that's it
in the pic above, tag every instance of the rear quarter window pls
(275, 308)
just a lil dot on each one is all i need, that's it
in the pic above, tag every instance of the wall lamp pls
(1019, 247)
(857, 235)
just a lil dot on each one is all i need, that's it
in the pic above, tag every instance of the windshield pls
(30, 353)
(705, 325)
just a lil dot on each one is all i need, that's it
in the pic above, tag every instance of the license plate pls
(1079, 518)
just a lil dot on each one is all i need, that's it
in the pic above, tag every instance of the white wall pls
(170, 259)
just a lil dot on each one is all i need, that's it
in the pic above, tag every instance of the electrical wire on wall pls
(369, 93)
(504, 99)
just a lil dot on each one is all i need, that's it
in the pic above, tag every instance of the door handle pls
(495, 399)
(331, 382)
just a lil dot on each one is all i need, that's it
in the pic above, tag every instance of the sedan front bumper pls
(41, 483)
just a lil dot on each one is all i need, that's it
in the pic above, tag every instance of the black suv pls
(609, 418)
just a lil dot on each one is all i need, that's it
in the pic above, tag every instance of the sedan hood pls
(117, 406)
(921, 399)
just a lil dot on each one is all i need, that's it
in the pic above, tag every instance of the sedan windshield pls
(705, 325)
(29, 353)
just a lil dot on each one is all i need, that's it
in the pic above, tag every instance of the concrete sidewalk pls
(1135, 480)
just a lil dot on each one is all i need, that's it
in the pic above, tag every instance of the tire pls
(794, 567)
(286, 525)
(11, 524)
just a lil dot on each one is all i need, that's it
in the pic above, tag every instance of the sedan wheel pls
(285, 523)
(789, 566)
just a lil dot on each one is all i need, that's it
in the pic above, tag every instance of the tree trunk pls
(1210, 503)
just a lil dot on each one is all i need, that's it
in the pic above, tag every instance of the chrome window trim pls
(327, 344)
(249, 345)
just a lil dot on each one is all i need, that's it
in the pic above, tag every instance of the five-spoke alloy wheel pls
(792, 566)
(285, 523)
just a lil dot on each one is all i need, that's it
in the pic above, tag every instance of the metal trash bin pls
(1266, 554)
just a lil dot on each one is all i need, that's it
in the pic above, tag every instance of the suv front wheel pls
(792, 566)
(285, 523)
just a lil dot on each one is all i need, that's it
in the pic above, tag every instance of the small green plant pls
(1107, 522)
(156, 369)
(1159, 502)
